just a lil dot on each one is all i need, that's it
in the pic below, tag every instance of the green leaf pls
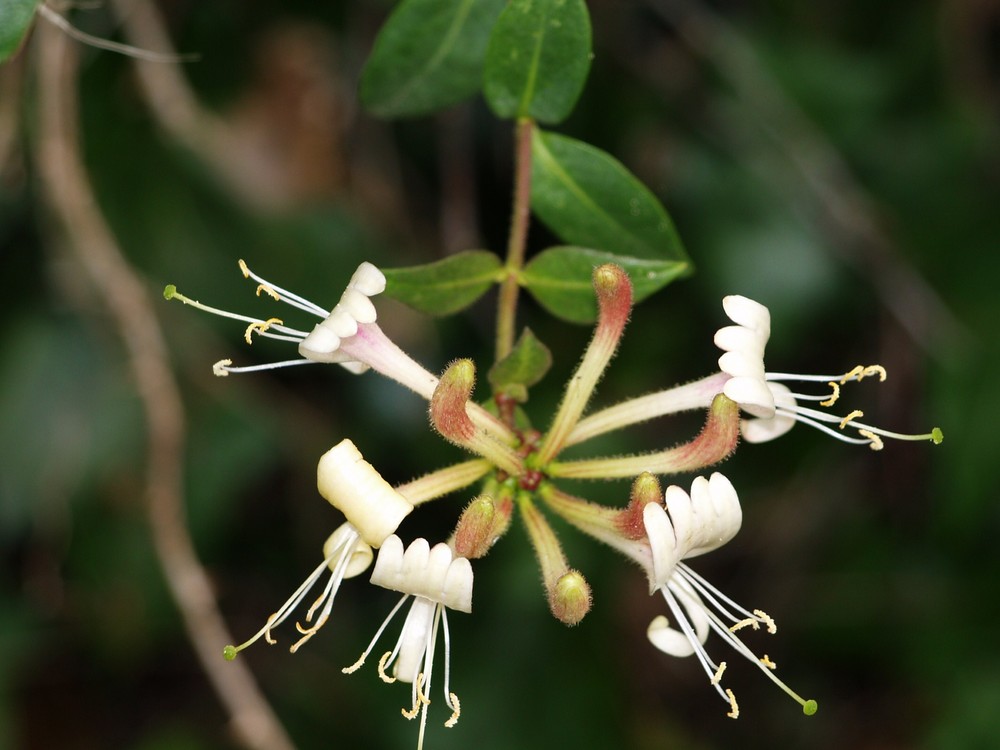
(428, 55)
(526, 364)
(15, 20)
(590, 199)
(538, 59)
(560, 279)
(445, 286)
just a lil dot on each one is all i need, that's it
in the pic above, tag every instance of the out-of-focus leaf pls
(526, 364)
(445, 286)
(15, 20)
(560, 279)
(428, 55)
(590, 199)
(538, 59)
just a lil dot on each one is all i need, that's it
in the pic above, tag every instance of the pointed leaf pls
(428, 55)
(526, 364)
(15, 20)
(538, 59)
(590, 199)
(445, 286)
(560, 278)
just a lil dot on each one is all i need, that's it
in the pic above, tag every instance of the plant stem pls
(507, 302)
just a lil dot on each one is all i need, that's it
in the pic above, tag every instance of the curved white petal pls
(674, 641)
(662, 544)
(431, 573)
(354, 487)
(341, 322)
(765, 427)
(752, 394)
(414, 639)
(368, 280)
(746, 312)
(361, 556)
(358, 305)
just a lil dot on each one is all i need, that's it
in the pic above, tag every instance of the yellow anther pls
(766, 661)
(268, 291)
(418, 701)
(219, 369)
(853, 415)
(388, 679)
(421, 696)
(833, 396)
(244, 269)
(751, 621)
(456, 710)
(356, 665)
(876, 441)
(718, 673)
(856, 374)
(874, 370)
(267, 629)
(764, 617)
(734, 713)
(260, 326)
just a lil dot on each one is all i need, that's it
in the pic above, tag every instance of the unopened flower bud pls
(570, 598)
(481, 524)
(614, 296)
(447, 409)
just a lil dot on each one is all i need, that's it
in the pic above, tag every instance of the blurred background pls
(837, 161)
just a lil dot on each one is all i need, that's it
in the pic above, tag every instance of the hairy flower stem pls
(507, 300)
(715, 442)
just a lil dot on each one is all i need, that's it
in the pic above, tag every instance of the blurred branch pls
(68, 190)
(838, 198)
(11, 74)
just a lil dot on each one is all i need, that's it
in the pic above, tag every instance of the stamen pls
(772, 626)
(751, 621)
(386, 678)
(856, 373)
(268, 291)
(834, 396)
(418, 701)
(766, 661)
(456, 710)
(876, 442)
(356, 665)
(718, 673)
(735, 712)
(853, 415)
(260, 326)
(221, 368)
(289, 298)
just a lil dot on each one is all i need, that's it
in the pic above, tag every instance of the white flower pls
(691, 525)
(774, 406)
(347, 335)
(373, 509)
(437, 581)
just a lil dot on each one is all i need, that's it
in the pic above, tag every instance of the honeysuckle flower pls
(373, 509)
(772, 407)
(659, 533)
(347, 335)
(436, 580)
(687, 526)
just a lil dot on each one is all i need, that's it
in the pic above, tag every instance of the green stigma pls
(810, 707)
(229, 653)
(169, 291)
(937, 436)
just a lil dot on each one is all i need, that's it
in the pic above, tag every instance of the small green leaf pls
(428, 55)
(526, 364)
(560, 279)
(15, 20)
(590, 199)
(445, 286)
(538, 59)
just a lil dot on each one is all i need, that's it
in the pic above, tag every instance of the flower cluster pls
(520, 468)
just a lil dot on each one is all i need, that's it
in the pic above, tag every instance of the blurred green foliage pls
(879, 568)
